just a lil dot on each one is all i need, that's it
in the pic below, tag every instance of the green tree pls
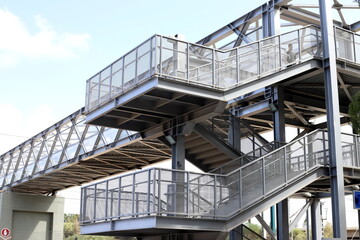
(354, 112)
(71, 225)
(298, 234)
(328, 231)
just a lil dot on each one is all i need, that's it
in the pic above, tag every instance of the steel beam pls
(303, 210)
(333, 119)
(222, 146)
(252, 109)
(234, 136)
(266, 227)
(355, 27)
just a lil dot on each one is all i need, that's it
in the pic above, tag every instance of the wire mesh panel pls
(252, 182)
(141, 193)
(126, 195)
(248, 62)
(269, 55)
(310, 43)
(344, 44)
(88, 203)
(294, 154)
(229, 198)
(200, 192)
(226, 69)
(290, 48)
(105, 84)
(100, 202)
(130, 70)
(112, 198)
(117, 77)
(275, 170)
(201, 60)
(349, 151)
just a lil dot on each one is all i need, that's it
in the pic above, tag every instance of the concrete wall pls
(32, 217)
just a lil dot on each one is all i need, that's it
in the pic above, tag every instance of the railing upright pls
(119, 197)
(133, 195)
(148, 191)
(106, 198)
(159, 192)
(187, 192)
(95, 193)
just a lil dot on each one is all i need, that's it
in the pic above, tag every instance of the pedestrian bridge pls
(134, 101)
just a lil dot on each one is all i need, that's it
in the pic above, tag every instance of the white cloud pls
(18, 44)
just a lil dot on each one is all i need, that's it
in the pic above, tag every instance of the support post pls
(316, 232)
(178, 178)
(333, 119)
(282, 210)
(235, 141)
(234, 133)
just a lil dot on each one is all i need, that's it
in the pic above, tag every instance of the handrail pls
(149, 58)
(229, 193)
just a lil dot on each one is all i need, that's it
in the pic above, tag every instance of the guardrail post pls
(187, 62)
(299, 44)
(215, 179)
(356, 150)
(154, 190)
(95, 190)
(119, 198)
(263, 175)
(133, 194)
(187, 192)
(213, 69)
(106, 199)
(240, 188)
(305, 157)
(237, 66)
(258, 60)
(160, 55)
(148, 192)
(159, 191)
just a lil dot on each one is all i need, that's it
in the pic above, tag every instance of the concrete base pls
(32, 217)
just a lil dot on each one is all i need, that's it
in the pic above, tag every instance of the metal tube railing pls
(238, 189)
(200, 65)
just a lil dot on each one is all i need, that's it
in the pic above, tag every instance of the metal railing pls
(178, 60)
(217, 196)
(246, 158)
(347, 45)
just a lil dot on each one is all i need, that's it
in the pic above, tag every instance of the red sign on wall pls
(5, 232)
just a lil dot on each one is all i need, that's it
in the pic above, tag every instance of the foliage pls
(71, 225)
(357, 1)
(328, 231)
(354, 112)
(298, 234)
(255, 228)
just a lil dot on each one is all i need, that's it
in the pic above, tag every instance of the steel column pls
(315, 220)
(234, 133)
(178, 178)
(333, 119)
(282, 210)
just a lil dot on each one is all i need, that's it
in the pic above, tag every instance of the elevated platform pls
(213, 201)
